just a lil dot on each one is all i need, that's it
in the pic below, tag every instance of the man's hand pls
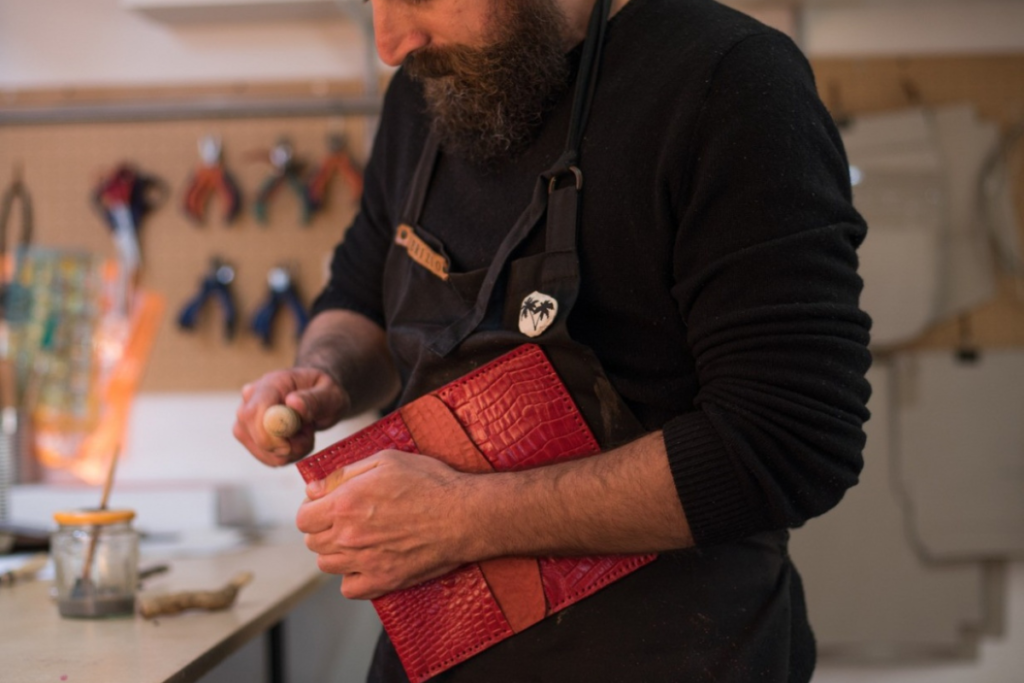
(397, 519)
(313, 394)
(387, 522)
(343, 368)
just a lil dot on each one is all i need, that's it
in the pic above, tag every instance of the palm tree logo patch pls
(536, 314)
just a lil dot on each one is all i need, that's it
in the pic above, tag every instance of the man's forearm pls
(352, 350)
(622, 501)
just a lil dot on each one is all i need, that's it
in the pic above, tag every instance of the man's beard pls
(486, 104)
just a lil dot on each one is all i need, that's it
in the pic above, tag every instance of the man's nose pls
(396, 32)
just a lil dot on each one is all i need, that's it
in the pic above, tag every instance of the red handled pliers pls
(211, 177)
(338, 162)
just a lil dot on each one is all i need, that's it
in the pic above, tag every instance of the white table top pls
(36, 644)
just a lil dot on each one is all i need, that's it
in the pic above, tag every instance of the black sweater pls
(717, 245)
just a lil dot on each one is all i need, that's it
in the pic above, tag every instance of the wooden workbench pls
(38, 645)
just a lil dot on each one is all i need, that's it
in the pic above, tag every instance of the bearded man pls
(709, 307)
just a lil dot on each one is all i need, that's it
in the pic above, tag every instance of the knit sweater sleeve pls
(765, 276)
(357, 265)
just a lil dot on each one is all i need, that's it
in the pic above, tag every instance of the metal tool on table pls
(281, 292)
(211, 177)
(9, 394)
(215, 284)
(287, 171)
(125, 198)
(338, 162)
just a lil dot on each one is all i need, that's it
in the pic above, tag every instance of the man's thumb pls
(320, 404)
(315, 489)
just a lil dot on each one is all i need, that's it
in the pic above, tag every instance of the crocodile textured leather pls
(513, 413)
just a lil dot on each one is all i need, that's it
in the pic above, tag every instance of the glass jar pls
(96, 561)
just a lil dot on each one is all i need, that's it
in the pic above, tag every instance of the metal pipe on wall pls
(192, 108)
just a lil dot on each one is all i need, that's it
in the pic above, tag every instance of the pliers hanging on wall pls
(14, 301)
(15, 191)
(124, 199)
(210, 177)
(281, 291)
(338, 162)
(216, 283)
(287, 170)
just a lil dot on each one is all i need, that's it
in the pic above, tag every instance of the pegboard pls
(995, 85)
(62, 164)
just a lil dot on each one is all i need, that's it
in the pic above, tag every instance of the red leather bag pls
(511, 414)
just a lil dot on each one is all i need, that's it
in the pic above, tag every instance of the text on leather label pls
(420, 251)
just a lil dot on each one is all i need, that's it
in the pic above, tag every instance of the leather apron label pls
(420, 252)
(536, 314)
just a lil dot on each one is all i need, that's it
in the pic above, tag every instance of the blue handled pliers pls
(281, 291)
(216, 283)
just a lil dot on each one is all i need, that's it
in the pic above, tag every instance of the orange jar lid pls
(93, 517)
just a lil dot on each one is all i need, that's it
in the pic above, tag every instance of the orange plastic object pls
(92, 517)
(91, 460)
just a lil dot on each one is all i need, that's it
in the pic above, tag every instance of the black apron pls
(721, 614)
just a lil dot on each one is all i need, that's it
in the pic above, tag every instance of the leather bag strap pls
(514, 581)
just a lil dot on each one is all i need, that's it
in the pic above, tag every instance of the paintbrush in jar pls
(83, 587)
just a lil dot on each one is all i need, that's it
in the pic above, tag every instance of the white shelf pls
(201, 11)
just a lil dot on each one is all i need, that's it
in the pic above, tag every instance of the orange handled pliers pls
(338, 161)
(210, 177)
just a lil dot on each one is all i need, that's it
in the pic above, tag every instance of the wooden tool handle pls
(281, 421)
(8, 390)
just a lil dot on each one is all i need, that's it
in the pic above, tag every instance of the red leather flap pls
(518, 413)
(388, 432)
(570, 579)
(442, 622)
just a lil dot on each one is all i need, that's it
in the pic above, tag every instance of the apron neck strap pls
(561, 224)
(586, 80)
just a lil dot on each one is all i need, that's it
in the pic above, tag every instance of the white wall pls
(888, 27)
(60, 43)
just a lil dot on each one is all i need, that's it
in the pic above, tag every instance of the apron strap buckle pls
(574, 170)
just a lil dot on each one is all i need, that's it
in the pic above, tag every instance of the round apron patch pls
(536, 314)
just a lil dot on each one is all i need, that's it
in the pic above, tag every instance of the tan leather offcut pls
(421, 252)
(437, 433)
(515, 581)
